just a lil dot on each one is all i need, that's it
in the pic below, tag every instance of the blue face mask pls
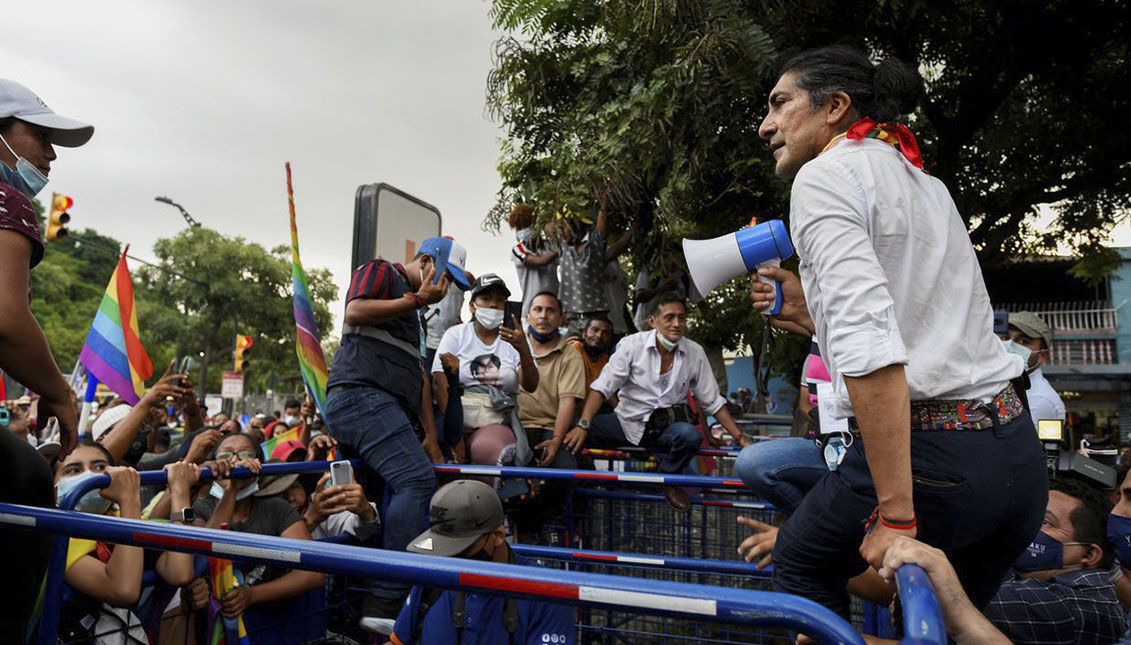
(543, 338)
(1119, 537)
(217, 490)
(92, 501)
(1045, 552)
(26, 178)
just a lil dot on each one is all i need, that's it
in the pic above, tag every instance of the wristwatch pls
(185, 516)
(583, 424)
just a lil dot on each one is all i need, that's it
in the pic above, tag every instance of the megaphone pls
(713, 262)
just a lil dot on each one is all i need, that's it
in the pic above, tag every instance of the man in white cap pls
(1030, 338)
(466, 521)
(29, 130)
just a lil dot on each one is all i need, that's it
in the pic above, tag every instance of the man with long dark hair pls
(942, 446)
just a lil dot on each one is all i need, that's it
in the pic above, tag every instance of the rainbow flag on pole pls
(311, 360)
(227, 630)
(113, 352)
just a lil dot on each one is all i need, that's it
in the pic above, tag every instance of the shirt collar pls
(556, 348)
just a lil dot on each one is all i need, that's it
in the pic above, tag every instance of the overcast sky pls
(203, 102)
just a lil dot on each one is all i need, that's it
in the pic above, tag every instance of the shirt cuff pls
(712, 408)
(859, 350)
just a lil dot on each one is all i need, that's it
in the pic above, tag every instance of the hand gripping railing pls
(56, 569)
(681, 600)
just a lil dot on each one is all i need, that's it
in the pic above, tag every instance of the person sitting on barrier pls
(1062, 590)
(104, 574)
(652, 373)
(466, 521)
(548, 412)
(233, 502)
(494, 362)
(328, 511)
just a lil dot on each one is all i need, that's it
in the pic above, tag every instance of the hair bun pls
(898, 88)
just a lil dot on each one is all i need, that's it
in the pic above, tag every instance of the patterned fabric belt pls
(966, 415)
(962, 415)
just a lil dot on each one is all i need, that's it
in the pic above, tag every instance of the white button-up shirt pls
(890, 276)
(633, 374)
(1044, 402)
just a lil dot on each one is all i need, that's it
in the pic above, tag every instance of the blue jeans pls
(370, 424)
(679, 442)
(781, 471)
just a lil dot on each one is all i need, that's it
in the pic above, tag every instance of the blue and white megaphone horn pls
(713, 262)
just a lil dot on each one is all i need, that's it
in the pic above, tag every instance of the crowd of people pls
(921, 449)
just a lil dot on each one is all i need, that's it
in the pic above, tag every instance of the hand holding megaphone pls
(793, 307)
(713, 262)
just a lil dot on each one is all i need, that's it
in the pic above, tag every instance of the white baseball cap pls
(20, 102)
(108, 419)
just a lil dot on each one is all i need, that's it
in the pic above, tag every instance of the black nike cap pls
(460, 513)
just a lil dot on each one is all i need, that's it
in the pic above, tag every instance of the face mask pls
(1017, 348)
(170, 411)
(665, 343)
(290, 420)
(1119, 536)
(217, 490)
(171, 424)
(92, 501)
(563, 331)
(1045, 552)
(524, 234)
(26, 178)
(542, 338)
(489, 318)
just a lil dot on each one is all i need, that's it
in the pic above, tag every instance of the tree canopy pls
(649, 109)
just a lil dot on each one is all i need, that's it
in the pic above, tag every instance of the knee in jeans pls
(749, 468)
(688, 437)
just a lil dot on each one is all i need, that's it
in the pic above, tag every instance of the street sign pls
(231, 387)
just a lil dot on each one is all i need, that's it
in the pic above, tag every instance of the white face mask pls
(524, 234)
(290, 420)
(665, 343)
(1024, 352)
(489, 318)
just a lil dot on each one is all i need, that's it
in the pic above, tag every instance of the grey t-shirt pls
(583, 275)
(533, 280)
(268, 516)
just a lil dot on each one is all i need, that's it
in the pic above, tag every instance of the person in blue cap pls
(378, 393)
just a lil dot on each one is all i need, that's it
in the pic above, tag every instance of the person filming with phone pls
(494, 362)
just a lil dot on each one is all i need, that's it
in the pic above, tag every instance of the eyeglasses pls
(243, 454)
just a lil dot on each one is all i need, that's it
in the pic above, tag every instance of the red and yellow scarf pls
(895, 134)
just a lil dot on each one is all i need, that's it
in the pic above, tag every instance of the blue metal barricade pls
(680, 600)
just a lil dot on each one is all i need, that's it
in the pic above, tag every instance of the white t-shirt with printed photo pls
(480, 364)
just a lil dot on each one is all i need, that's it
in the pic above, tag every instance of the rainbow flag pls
(229, 630)
(311, 360)
(278, 438)
(113, 352)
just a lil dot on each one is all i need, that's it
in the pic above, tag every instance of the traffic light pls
(243, 348)
(59, 217)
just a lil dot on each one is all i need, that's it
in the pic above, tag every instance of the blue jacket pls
(540, 623)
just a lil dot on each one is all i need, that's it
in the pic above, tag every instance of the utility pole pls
(188, 218)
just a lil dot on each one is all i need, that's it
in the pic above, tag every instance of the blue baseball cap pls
(446, 252)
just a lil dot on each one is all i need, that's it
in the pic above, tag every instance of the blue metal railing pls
(590, 556)
(675, 599)
(921, 612)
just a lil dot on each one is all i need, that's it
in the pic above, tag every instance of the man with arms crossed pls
(944, 448)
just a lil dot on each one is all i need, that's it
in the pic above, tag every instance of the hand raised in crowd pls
(575, 439)
(64, 413)
(350, 497)
(202, 445)
(17, 419)
(433, 293)
(516, 337)
(188, 396)
(450, 363)
(124, 488)
(195, 596)
(320, 447)
(760, 544)
(549, 448)
(167, 385)
(182, 476)
(794, 309)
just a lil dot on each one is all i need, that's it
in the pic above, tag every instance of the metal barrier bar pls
(627, 452)
(649, 497)
(602, 476)
(922, 615)
(681, 600)
(664, 562)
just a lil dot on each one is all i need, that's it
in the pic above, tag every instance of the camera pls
(1064, 463)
